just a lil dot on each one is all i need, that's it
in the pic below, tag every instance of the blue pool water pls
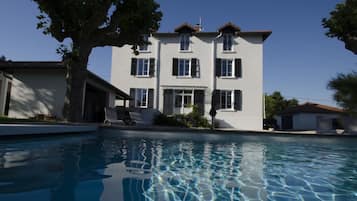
(135, 165)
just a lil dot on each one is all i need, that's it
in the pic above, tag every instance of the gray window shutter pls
(199, 100)
(132, 95)
(238, 67)
(194, 67)
(152, 67)
(237, 99)
(175, 66)
(151, 98)
(133, 66)
(168, 102)
(218, 67)
(216, 99)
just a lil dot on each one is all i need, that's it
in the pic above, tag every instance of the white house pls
(29, 89)
(311, 116)
(189, 66)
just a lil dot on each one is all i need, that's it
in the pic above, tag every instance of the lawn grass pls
(8, 120)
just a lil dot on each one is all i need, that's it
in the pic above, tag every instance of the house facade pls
(191, 67)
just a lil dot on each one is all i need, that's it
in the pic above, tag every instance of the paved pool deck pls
(44, 129)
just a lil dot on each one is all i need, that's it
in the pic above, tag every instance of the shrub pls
(164, 120)
(193, 119)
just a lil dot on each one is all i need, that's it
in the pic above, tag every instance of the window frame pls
(185, 42)
(226, 94)
(228, 37)
(225, 66)
(141, 93)
(183, 94)
(146, 46)
(143, 60)
(184, 70)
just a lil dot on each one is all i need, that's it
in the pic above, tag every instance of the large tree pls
(2, 58)
(342, 24)
(276, 103)
(89, 24)
(345, 87)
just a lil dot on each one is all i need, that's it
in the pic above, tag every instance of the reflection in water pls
(116, 168)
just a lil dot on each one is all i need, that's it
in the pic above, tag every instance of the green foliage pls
(276, 103)
(342, 24)
(9, 120)
(99, 22)
(2, 58)
(345, 88)
(163, 120)
(193, 119)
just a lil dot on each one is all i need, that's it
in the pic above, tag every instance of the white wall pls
(304, 121)
(250, 50)
(307, 121)
(3, 90)
(37, 92)
(121, 67)
(200, 48)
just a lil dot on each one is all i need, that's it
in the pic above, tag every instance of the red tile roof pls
(311, 108)
(185, 27)
(229, 26)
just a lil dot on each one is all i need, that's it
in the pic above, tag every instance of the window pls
(227, 42)
(142, 67)
(141, 97)
(184, 42)
(184, 67)
(145, 46)
(187, 100)
(227, 68)
(226, 99)
(183, 98)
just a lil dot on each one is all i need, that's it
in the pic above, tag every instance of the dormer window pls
(185, 31)
(144, 47)
(228, 30)
(227, 42)
(184, 42)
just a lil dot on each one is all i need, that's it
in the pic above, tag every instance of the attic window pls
(144, 47)
(184, 42)
(227, 42)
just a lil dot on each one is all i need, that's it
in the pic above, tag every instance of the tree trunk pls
(76, 75)
(351, 43)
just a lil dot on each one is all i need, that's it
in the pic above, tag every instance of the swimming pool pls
(136, 165)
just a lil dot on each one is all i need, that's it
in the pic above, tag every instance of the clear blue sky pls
(298, 58)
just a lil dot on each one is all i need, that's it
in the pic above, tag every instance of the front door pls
(183, 101)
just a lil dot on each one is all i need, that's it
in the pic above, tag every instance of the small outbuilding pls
(29, 89)
(310, 116)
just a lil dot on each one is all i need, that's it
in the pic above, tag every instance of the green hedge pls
(193, 119)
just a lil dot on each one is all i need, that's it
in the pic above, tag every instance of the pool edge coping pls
(21, 130)
(226, 132)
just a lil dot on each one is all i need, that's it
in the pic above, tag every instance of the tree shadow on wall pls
(30, 101)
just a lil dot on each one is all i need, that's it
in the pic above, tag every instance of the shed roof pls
(11, 67)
